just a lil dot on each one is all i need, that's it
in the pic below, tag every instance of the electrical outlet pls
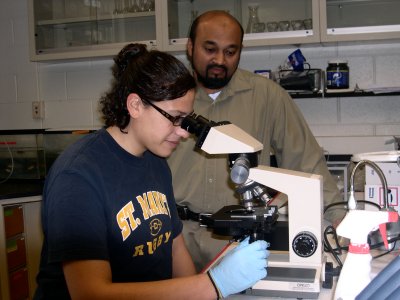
(37, 109)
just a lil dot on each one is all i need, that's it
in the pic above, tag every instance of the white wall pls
(71, 89)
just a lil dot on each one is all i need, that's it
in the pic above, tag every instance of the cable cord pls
(330, 230)
(380, 244)
(345, 204)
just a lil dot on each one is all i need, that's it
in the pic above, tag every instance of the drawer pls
(19, 285)
(13, 220)
(16, 253)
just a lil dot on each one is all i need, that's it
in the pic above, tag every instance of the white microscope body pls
(297, 272)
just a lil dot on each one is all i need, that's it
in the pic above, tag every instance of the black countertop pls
(20, 188)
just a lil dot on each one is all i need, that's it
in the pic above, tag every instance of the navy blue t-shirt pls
(102, 203)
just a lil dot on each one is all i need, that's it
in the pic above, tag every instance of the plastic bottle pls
(337, 74)
(355, 274)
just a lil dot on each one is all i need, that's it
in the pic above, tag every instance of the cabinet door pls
(349, 20)
(270, 22)
(87, 28)
(19, 262)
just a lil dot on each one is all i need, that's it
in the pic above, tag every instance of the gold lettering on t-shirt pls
(152, 204)
(167, 236)
(153, 245)
(145, 206)
(160, 238)
(139, 250)
(126, 220)
(162, 204)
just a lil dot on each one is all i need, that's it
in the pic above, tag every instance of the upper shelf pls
(339, 2)
(336, 94)
(108, 17)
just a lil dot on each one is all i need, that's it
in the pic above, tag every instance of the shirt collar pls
(237, 84)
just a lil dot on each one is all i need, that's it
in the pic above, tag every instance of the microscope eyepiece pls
(195, 124)
(199, 126)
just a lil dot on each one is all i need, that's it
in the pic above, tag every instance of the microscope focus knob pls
(305, 244)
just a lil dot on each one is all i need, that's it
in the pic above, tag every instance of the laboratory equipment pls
(297, 271)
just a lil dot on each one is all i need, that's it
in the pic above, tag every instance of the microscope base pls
(289, 282)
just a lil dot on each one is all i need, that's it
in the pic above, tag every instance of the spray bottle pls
(357, 224)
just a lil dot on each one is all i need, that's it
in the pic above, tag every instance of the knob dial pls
(305, 244)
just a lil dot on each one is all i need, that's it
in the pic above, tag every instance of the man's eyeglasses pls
(176, 121)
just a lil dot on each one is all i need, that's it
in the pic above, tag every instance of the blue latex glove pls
(241, 268)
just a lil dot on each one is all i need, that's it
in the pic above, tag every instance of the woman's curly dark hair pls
(153, 75)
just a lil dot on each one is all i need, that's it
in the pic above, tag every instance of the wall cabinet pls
(351, 20)
(21, 237)
(61, 29)
(264, 22)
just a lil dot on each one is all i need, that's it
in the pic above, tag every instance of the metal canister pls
(337, 74)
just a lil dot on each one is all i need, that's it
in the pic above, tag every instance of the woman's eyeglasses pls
(176, 121)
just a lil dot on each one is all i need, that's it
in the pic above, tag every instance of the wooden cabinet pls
(67, 29)
(21, 237)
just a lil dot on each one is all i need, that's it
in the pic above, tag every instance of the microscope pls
(297, 269)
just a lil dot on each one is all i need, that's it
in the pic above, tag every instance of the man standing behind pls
(255, 104)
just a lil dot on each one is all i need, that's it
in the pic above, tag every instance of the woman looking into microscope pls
(111, 228)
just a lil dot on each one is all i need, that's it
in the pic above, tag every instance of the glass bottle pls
(253, 19)
(133, 6)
